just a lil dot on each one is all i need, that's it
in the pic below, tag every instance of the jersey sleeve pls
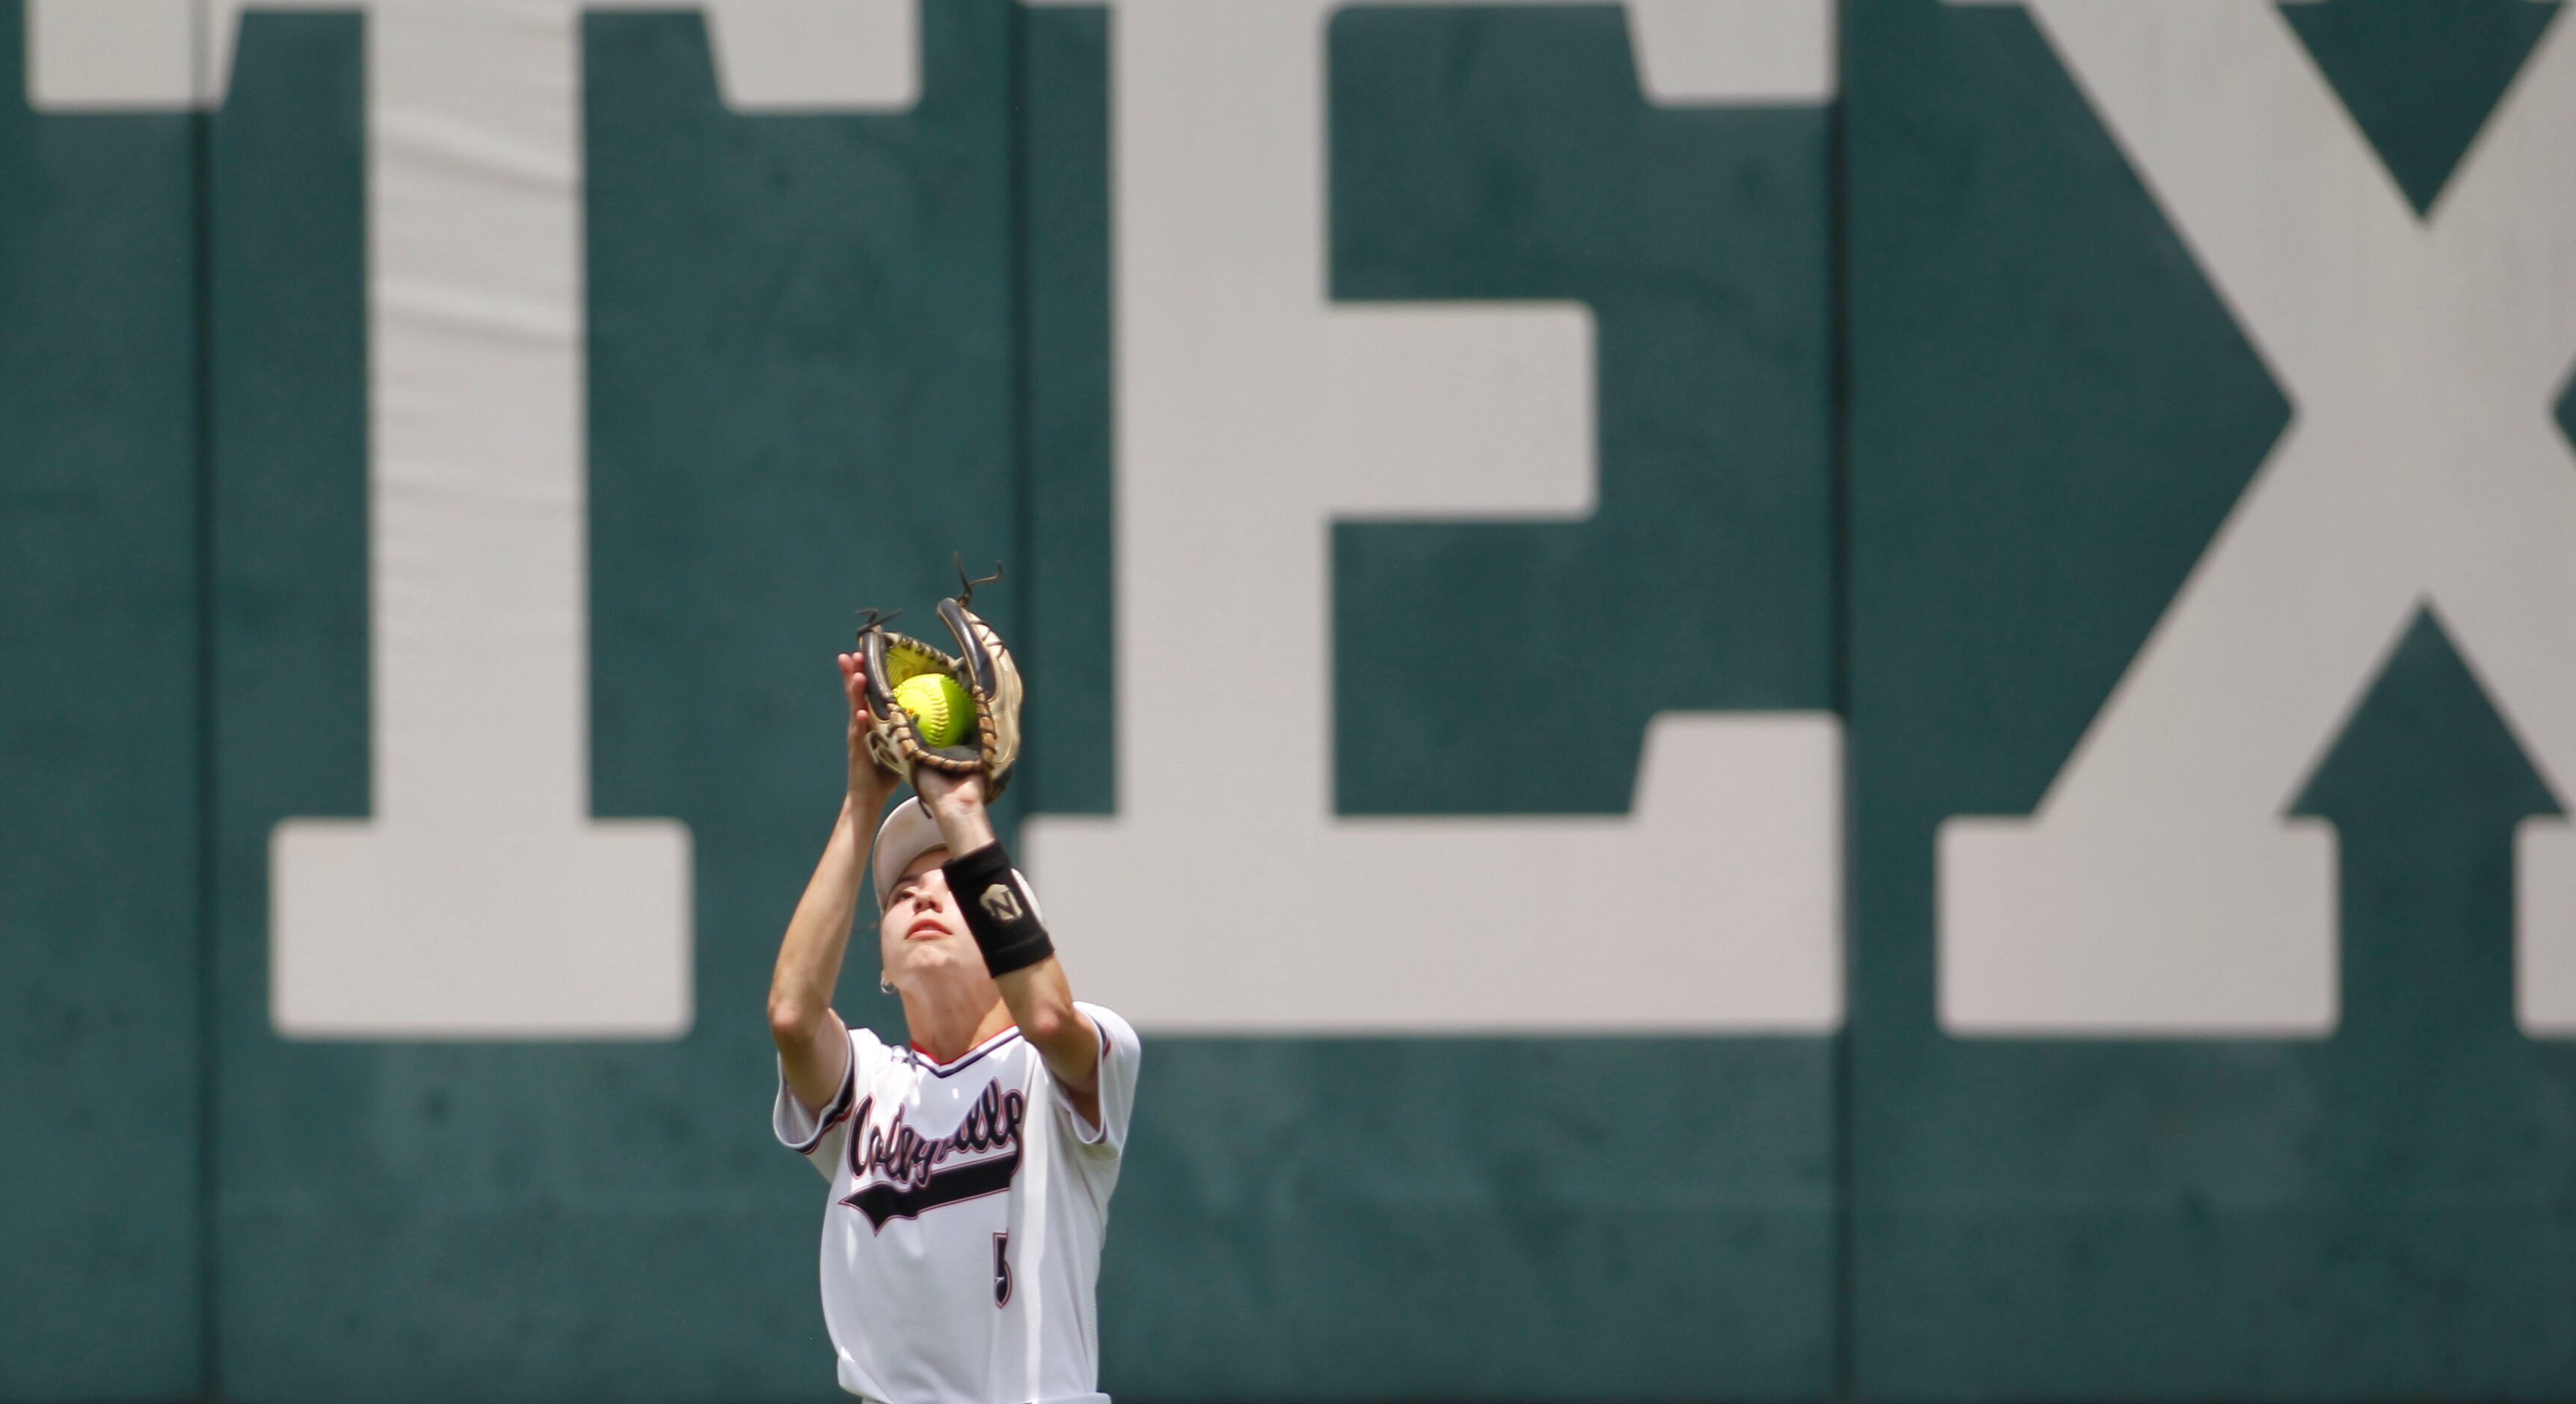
(1120, 1052)
(818, 1137)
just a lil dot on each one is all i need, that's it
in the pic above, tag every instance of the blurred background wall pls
(1760, 700)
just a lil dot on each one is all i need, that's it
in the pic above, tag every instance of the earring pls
(885, 985)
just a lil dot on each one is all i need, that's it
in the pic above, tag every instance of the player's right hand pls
(869, 781)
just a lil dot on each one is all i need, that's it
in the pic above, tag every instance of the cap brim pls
(905, 835)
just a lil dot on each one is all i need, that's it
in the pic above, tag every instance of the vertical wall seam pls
(201, 145)
(1023, 439)
(1838, 653)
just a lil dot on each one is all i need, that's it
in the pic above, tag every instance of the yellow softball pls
(940, 709)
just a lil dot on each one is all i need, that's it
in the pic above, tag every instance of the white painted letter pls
(1226, 896)
(480, 900)
(2159, 890)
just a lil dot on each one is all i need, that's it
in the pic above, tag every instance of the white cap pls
(906, 834)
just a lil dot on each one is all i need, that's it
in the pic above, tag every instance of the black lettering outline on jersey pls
(911, 1181)
(1002, 1269)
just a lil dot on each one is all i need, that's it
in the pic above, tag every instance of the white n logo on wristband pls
(1002, 902)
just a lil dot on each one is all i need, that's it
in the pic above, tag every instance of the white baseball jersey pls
(962, 1238)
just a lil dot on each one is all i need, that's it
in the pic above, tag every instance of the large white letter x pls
(2158, 889)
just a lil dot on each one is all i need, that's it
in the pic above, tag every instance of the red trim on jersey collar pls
(1003, 1035)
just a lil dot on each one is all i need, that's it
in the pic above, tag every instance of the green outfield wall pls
(1759, 699)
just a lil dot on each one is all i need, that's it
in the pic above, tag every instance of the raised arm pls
(813, 1043)
(1040, 999)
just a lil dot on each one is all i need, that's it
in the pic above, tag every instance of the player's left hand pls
(956, 802)
(942, 793)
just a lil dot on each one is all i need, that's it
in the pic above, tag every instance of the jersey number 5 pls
(1001, 1269)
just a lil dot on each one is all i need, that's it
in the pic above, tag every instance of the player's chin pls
(937, 952)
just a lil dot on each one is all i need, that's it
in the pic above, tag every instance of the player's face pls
(921, 930)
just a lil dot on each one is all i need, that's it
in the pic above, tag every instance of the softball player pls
(971, 1170)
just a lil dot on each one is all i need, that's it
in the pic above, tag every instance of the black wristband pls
(998, 909)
